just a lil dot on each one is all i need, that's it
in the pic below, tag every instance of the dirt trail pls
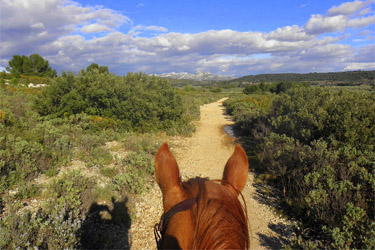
(205, 154)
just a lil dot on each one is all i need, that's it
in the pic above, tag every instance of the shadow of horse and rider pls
(106, 226)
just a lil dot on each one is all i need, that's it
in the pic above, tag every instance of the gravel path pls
(205, 154)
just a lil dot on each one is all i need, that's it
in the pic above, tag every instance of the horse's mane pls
(219, 218)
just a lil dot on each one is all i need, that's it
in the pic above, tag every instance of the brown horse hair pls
(220, 220)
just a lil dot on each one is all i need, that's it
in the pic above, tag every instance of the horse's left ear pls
(236, 170)
(166, 170)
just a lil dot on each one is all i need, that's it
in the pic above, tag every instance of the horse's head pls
(202, 214)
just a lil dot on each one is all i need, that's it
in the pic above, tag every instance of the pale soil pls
(205, 154)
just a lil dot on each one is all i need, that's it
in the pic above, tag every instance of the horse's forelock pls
(219, 218)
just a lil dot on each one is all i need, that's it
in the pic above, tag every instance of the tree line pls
(348, 77)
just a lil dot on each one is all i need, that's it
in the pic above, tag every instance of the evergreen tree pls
(34, 65)
(95, 66)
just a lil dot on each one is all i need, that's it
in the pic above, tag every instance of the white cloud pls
(360, 66)
(156, 28)
(141, 29)
(365, 54)
(347, 8)
(37, 25)
(95, 28)
(340, 17)
(58, 29)
(27, 26)
(364, 12)
(319, 24)
(290, 33)
(361, 22)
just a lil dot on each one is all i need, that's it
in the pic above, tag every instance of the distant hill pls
(199, 76)
(340, 78)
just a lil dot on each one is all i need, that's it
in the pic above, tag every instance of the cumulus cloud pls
(58, 30)
(365, 54)
(319, 24)
(31, 24)
(360, 66)
(156, 28)
(338, 18)
(290, 33)
(95, 28)
(324, 24)
(347, 8)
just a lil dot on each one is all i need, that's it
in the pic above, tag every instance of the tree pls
(95, 66)
(92, 67)
(16, 65)
(34, 65)
(251, 89)
(263, 86)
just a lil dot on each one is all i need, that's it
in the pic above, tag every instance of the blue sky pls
(222, 37)
(195, 16)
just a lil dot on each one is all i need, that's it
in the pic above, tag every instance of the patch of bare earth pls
(205, 154)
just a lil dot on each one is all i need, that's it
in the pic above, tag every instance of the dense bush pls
(279, 87)
(318, 144)
(135, 102)
(248, 111)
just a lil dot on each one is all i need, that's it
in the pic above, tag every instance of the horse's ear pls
(166, 169)
(236, 170)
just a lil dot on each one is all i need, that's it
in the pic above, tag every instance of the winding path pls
(205, 154)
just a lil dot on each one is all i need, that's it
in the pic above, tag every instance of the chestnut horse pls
(199, 213)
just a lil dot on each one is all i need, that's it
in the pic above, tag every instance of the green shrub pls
(251, 89)
(133, 180)
(27, 190)
(135, 102)
(137, 167)
(68, 189)
(280, 87)
(319, 144)
(53, 226)
(55, 229)
(109, 172)
(99, 156)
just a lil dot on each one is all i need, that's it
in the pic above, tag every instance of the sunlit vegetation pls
(86, 142)
(317, 146)
(33, 65)
(52, 138)
(136, 102)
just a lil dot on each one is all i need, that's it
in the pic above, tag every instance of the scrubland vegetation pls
(79, 146)
(317, 146)
(346, 78)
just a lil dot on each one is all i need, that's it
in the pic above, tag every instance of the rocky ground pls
(205, 154)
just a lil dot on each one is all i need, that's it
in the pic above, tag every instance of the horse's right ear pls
(236, 170)
(166, 170)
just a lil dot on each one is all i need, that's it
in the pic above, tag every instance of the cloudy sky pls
(227, 37)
